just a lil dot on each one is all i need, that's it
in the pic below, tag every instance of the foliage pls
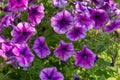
(101, 43)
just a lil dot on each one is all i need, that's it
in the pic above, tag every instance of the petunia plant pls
(59, 40)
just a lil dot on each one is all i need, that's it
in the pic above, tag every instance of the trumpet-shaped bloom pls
(59, 3)
(16, 5)
(114, 25)
(84, 21)
(51, 74)
(100, 17)
(80, 7)
(64, 50)
(76, 33)
(41, 48)
(36, 14)
(6, 50)
(85, 58)
(2, 39)
(22, 32)
(62, 22)
(7, 54)
(8, 20)
(98, 3)
(23, 55)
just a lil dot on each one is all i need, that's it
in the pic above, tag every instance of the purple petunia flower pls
(41, 48)
(76, 33)
(85, 58)
(22, 32)
(8, 20)
(98, 3)
(59, 3)
(36, 14)
(2, 39)
(7, 8)
(7, 54)
(6, 50)
(64, 50)
(16, 5)
(81, 8)
(113, 4)
(51, 74)
(84, 21)
(62, 22)
(114, 25)
(107, 7)
(23, 55)
(100, 17)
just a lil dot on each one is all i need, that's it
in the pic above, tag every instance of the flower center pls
(77, 31)
(7, 52)
(64, 49)
(18, 0)
(84, 56)
(41, 46)
(82, 20)
(49, 78)
(34, 11)
(24, 33)
(22, 53)
(97, 16)
(63, 21)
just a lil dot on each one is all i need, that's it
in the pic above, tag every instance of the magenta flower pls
(51, 74)
(36, 14)
(22, 32)
(59, 3)
(6, 50)
(64, 50)
(8, 20)
(76, 33)
(113, 26)
(41, 48)
(84, 21)
(2, 39)
(85, 58)
(100, 18)
(80, 7)
(7, 54)
(62, 22)
(98, 3)
(23, 55)
(16, 5)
